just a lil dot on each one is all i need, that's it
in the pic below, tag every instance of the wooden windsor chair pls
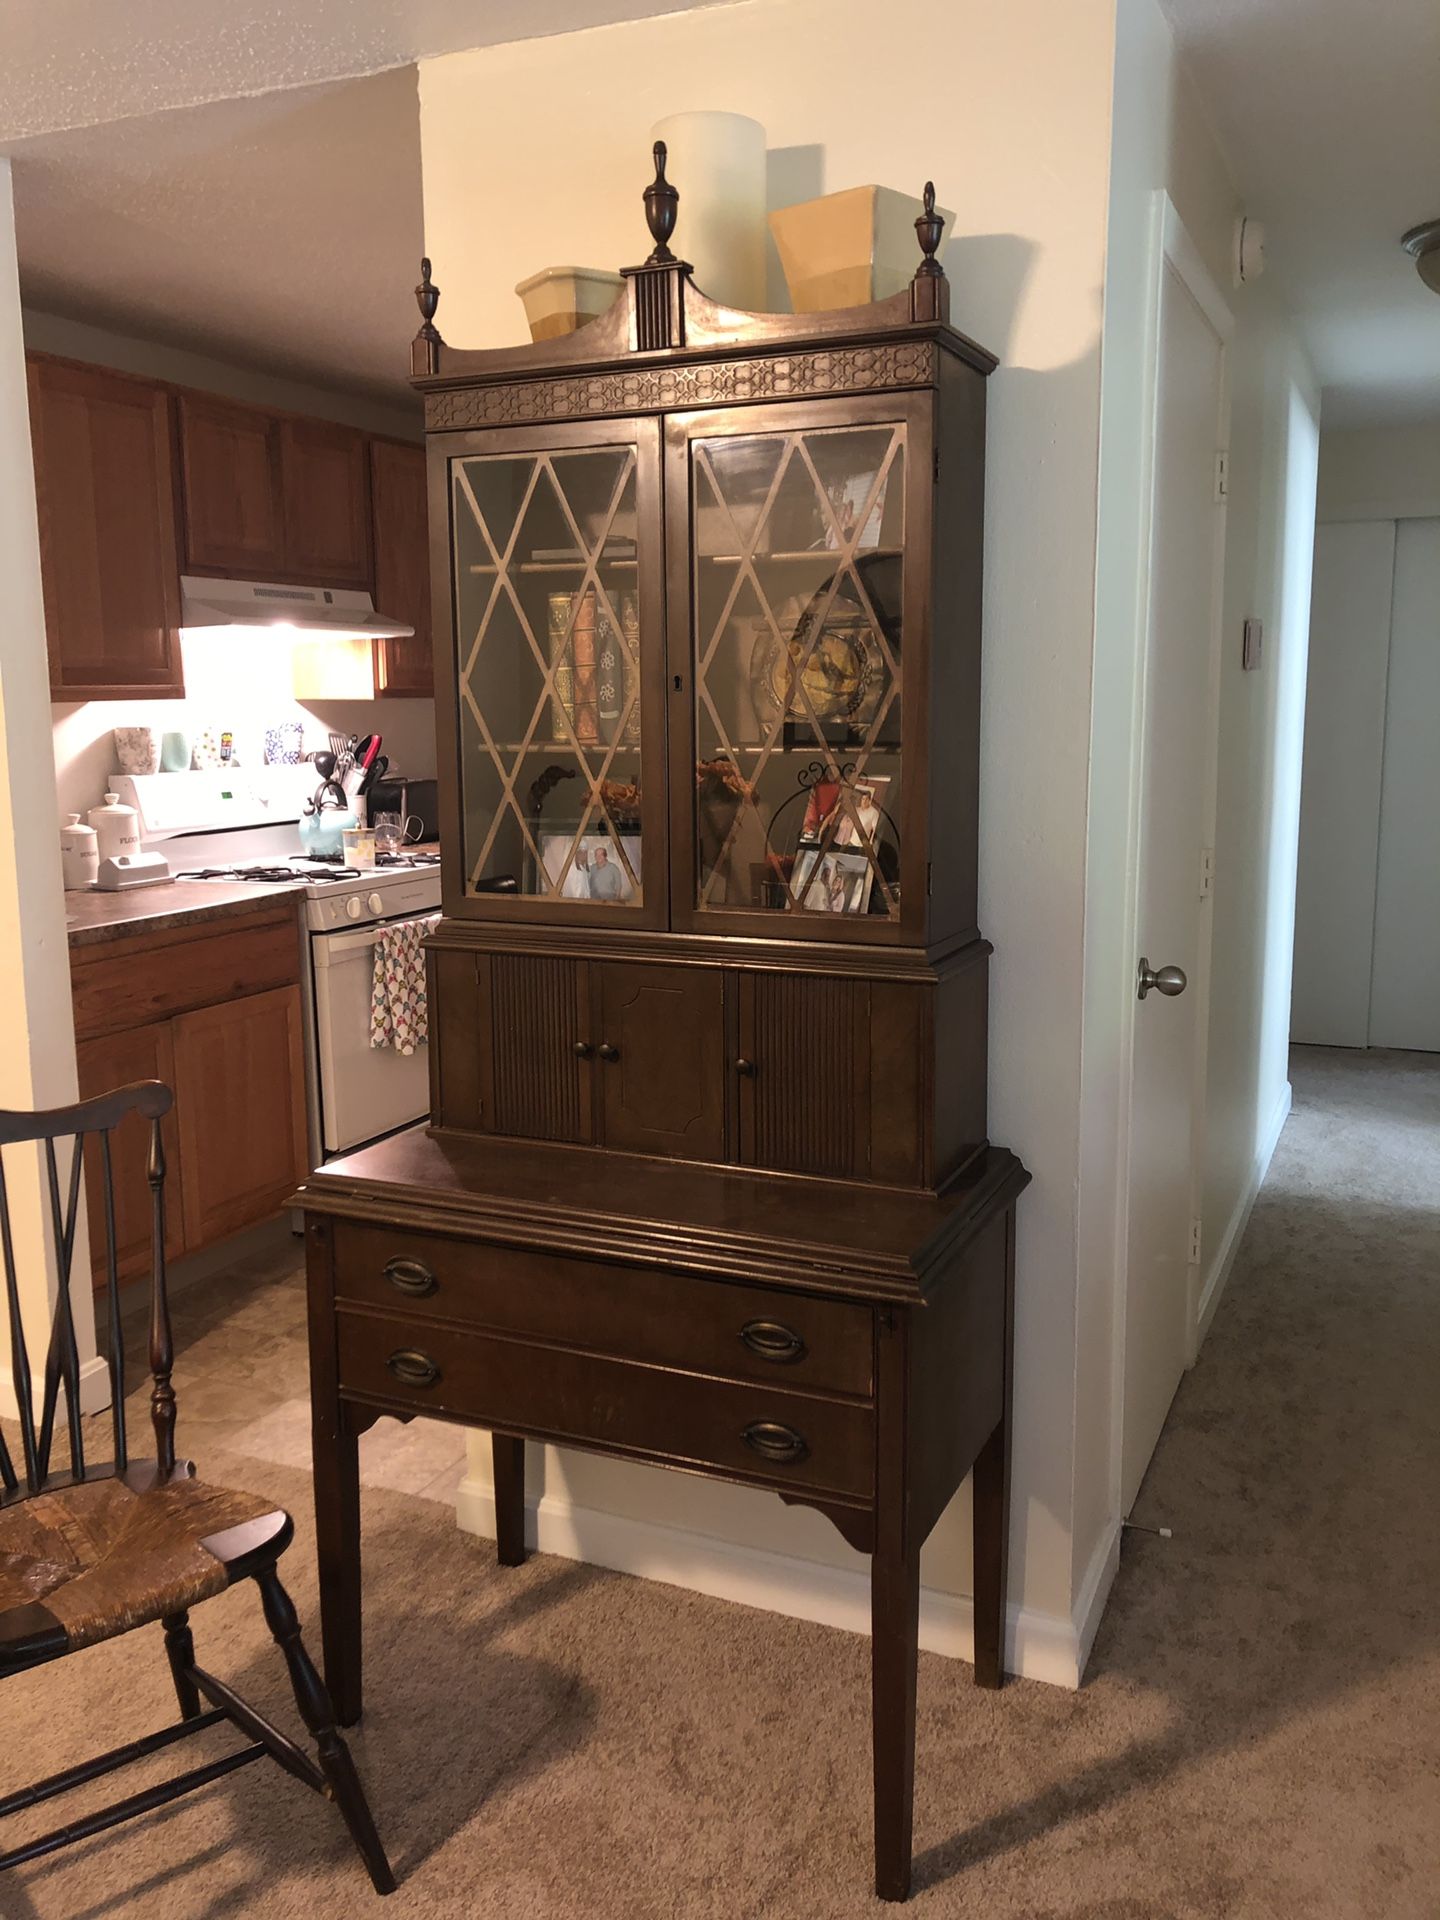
(104, 1548)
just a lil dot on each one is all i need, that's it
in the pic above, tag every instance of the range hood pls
(336, 612)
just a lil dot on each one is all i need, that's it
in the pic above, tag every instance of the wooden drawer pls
(132, 981)
(762, 1433)
(667, 1319)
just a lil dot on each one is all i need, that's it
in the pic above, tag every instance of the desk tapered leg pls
(508, 1457)
(894, 1618)
(335, 1449)
(991, 1491)
(337, 1547)
(894, 1630)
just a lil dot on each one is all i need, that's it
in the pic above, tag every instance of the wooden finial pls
(661, 204)
(928, 229)
(427, 298)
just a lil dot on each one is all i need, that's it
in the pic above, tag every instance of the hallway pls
(1244, 1748)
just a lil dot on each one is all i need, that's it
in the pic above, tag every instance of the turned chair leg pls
(180, 1648)
(319, 1716)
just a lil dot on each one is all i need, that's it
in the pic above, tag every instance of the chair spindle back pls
(152, 1100)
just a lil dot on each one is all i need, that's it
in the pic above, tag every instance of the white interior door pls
(1350, 607)
(1176, 807)
(1405, 979)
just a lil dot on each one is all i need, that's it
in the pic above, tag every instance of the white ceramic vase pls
(560, 299)
(716, 163)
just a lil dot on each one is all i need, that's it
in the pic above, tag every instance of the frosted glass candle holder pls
(716, 162)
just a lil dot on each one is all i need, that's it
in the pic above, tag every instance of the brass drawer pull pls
(410, 1276)
(414, 1368)
(607, 1052)
(774, 1442)
(772, 1341)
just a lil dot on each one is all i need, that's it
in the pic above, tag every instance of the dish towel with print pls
(398, 1016)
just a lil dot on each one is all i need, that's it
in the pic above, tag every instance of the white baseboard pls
(1038, 1646)
(1094, 1594)
(1220, 1267)
(94, 1390)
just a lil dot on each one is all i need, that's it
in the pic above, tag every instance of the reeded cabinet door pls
(536, 1049)
(831, 1076)
(660, 1059)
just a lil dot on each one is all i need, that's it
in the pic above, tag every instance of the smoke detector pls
(1248, 253)
(1424, 243)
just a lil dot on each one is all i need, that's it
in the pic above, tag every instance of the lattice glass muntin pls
(548, 638)
(798, 540)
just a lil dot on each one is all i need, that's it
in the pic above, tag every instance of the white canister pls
(716, 162)
(115, 828)
(79, 854)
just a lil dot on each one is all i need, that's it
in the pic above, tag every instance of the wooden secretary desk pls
(707, 1181)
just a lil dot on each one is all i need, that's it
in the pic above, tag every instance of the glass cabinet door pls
(798, 613)
(550, 593)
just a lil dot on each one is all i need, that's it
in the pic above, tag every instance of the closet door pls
(1405, 978)
(1340, 792)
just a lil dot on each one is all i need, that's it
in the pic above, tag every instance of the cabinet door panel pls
(230, 463)
(240, 1102)
(402, 565)
(554, 802)
(538, 1083)
(105, 494)
(834, 1079)
(144, 1053)
(326, 495)
(661, 1059)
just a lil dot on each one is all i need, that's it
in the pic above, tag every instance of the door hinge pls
(1207, 872)
(1194, 1260)
(1222, 473)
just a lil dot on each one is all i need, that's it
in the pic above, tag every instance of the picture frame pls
(831, 882)
(867, 798)
(597, 872)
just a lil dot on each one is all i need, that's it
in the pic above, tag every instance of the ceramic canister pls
(116, 828)
(79, 854)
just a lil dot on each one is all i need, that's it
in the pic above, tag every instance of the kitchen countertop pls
(93, 917)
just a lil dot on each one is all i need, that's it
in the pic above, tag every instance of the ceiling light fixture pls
(1423, 243)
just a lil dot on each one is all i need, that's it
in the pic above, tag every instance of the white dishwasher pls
(360, 1092)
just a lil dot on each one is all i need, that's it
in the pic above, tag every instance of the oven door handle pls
(329, 948)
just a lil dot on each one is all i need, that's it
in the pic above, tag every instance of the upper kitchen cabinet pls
(325, 490)
(402, 564)
(273, 496)
(230, 463)
(104, 483)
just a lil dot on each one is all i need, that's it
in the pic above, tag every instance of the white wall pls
(225, 687)
(37, 1057)
(1380, 473)
(1009, 113)
(1164, 142)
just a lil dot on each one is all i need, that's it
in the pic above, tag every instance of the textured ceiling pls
(77, 63)
(280, 232)
(1329, 112)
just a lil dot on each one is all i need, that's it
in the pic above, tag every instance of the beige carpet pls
(1257, 1739)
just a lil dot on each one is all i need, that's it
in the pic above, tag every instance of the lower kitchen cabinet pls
(240, 1102)
(215, 1014)
(116, 1060)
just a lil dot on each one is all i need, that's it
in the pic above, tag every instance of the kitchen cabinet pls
(240, 1102)
(116, 1060)
(104, 485)
(402, 565)
(230, 464)
(325, 503)
(215, 1013)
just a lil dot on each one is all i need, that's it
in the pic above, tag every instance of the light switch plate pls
(1254, 640)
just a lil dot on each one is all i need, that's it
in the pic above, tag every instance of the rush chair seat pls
(107, 1548)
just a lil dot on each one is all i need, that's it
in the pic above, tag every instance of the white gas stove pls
(234, 826)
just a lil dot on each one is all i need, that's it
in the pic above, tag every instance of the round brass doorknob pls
(1166, 980)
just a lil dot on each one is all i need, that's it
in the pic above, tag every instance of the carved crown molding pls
(859, 369)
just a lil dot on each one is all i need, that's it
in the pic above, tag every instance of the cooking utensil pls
(340, 743)
(376, 770)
